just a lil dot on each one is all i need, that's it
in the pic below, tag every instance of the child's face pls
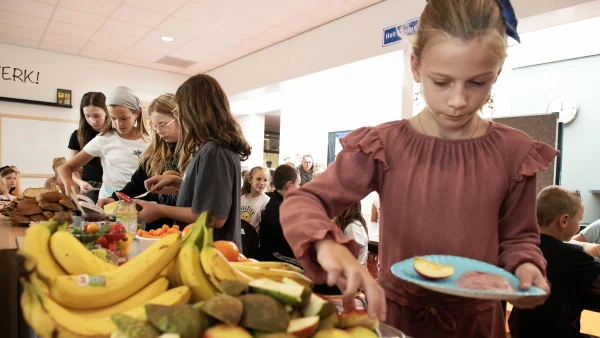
(456, 78)
(122, 119)
(166, 126)
(10, 181)
(94, 116)
(259, 181)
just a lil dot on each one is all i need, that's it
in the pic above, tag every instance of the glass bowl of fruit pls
(108, 241)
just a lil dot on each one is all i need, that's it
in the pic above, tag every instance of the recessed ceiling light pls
(166, 38)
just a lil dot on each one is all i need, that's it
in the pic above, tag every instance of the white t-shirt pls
(357, 232)
(251, 209)
(591, 233)
(120, 159)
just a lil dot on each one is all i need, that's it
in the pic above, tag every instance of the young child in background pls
(158, 158)
(9, 176)
(211, 148)
(119, 144)
(354, 226)
(5, 196)
(467, 183)
(573, 274)
(93, 117)
(254, 200)
(273, 245)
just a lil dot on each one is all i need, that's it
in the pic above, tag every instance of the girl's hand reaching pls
(85, 187)
(163, 184)
(530, 275)
(344, 270)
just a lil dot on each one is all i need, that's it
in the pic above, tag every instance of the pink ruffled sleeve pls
(518, 227)
(306, 212)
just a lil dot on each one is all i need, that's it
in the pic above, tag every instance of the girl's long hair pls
(85, 132)
(349, 215)
(204, 115)
(155, 157)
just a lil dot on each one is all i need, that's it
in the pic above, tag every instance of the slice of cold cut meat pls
(479, 280)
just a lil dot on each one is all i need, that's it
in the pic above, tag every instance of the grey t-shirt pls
(592, 232)
(211, 181)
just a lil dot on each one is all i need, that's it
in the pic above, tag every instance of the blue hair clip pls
(510, 18)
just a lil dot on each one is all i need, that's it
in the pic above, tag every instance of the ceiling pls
(207, 33)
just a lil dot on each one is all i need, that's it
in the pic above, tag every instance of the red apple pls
(354, 318)
(332, 333)
(303, 327)
(226, 331)
(431, 270)
(362, 332)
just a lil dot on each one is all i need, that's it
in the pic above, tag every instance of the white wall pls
(39, 141)
(349, 39)
(253, 127)
(532, 90)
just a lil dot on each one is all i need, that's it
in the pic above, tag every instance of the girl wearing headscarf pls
(119, 144)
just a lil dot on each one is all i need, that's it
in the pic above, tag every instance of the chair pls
(250, 240)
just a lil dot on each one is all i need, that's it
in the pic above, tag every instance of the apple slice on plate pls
(431, 270)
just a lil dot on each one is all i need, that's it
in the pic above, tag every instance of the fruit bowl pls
(145, 243)
(109, 237)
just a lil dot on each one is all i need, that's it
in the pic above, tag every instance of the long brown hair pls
(85, 132)
(247, 186)
(204, 115)
(349, 215)
(155, 157)
(462, 19)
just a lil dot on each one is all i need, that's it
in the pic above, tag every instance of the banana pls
(36, 243)
(95, 291)
(35, 315)
(190, 271)
(74, 257)
(216, 267)
(141, 297)
(275, 274)
(172, 273)
(73, 324)
(270, 265)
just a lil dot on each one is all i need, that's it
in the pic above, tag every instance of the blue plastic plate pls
(405, 270)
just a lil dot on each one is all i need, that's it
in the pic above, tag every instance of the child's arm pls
(306, 213)
(373, 213)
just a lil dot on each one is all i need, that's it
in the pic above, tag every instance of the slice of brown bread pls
(35, 192)
(48, 214)
(32, 209)
(51, 206)
(67, 203)
(50, 197)
(38, 218)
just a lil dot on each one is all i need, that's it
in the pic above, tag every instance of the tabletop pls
(9, 232)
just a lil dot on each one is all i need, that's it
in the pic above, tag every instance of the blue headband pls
(510, 18)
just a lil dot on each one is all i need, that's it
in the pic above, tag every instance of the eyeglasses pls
(163, 127)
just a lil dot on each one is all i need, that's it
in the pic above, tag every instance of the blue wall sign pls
(395, 34)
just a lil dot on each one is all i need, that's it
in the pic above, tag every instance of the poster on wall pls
(334, 146)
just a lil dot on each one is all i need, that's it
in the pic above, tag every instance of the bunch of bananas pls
(70, 291)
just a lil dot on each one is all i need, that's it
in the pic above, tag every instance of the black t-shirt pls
(92, 171)
(273, 245)
(570, 272)
(212, 182)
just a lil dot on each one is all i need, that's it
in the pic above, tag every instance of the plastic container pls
(108, 238)
(145, 243)
(126, 214)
